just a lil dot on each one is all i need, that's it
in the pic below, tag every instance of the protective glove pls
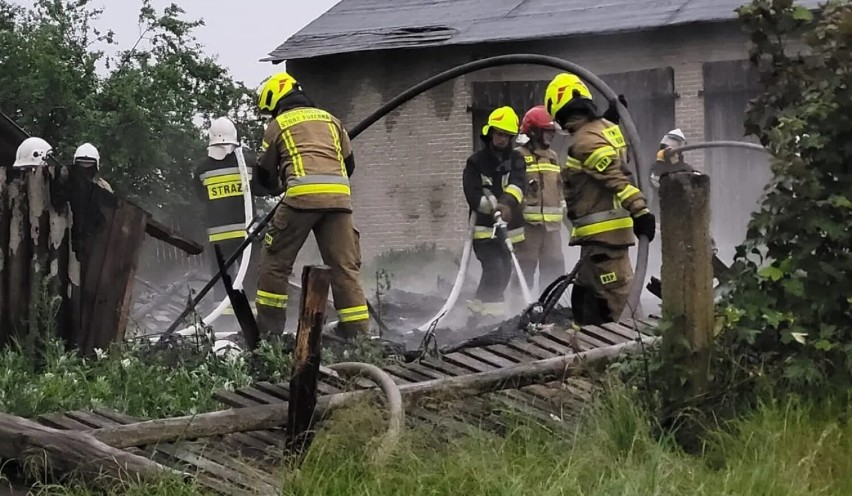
(611, 113)
(564, 206)
(487, 204)
(505, 212)
(645, 224)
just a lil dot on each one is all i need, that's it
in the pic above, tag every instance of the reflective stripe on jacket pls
(601, 200)
(311, 146)
(486, 174)
(543, 200)
(220, 186)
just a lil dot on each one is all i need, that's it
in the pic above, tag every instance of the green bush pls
(790, 311)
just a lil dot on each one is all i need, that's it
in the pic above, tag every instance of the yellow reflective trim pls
(609, 278)
(601, 158)
(353, 314)
(529, 159)
(515, 192)
(224, 236)
(614, 137)
(268, 239)
(627, 192)
(517, 238)
(602, 227)
(337, 147)
(318, 189)
(573, 163)
(225, 178)
(264, 145)
(225, 190)
(298, 116)
(543, 168)
(539, 217)
(295, 156)
(268, 299)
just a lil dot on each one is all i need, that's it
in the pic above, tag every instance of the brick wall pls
(407, 186)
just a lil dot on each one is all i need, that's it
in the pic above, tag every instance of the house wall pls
(407, 185)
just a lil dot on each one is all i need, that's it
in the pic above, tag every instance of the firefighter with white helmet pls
(220, 186)
(88, 159)
(607, 212)
(32, 152)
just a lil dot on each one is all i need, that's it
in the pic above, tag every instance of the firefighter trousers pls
(542, 250)
(603, 285)
(340, 249)
(496, 270)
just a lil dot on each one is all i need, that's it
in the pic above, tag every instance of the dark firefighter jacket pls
(601, 200)
(503, 177)
(308, 149)
(220, 186)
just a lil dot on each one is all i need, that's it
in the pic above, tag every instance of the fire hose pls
(639, 165)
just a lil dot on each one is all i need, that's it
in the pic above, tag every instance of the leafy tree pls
(792, 303)
(143, 108)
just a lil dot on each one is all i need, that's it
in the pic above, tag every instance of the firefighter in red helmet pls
(544, 203)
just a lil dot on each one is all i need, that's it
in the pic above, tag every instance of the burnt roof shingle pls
(366, 25)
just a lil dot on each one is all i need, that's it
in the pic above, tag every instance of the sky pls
(240, 32)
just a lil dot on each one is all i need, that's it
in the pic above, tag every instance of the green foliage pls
(131, 381)
(140, 108)
(790, 307)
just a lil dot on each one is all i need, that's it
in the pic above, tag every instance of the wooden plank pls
(593, 341)
(426, 371)
(602, 334)
(60, 421)
(180, 451)
(468, 362)
(162, 232)
(569, 338)
(407, 373)
(488, 357)
(258, 396)
(232, 399)
(275, 390)
(250, 474)
(531, 348)
(551, 345)
(628, 334)
(508, 353)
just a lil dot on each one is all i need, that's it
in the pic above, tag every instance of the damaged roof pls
(366, 25)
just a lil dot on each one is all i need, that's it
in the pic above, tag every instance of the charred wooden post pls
(68, 256)
(306, 355)
(687, 280)
(56, 453)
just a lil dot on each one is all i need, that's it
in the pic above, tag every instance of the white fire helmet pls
(221, 138)
(32, 152)
(674, 139)
(87, 156)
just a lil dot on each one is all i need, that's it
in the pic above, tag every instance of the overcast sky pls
(240, 32)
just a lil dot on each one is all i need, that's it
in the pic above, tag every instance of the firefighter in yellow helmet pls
(493, 181)
(605, 209)
(308, 150)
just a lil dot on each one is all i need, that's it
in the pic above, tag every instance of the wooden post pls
(306, 355)
(687, 279)
(57, 453)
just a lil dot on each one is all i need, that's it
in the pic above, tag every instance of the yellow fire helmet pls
(564, 89)
(505, 119)
(274, 89)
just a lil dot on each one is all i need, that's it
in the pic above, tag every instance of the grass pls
(784, 448)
